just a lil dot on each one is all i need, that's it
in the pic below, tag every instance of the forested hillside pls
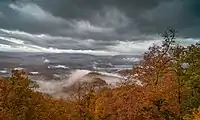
(169, 89)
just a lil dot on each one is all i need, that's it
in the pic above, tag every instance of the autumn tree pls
(156, 98)
(191, 76)
(20, 102)
(82, 97)
(170, 76)
(164, 90)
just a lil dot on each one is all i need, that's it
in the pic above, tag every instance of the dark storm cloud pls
(101, 19)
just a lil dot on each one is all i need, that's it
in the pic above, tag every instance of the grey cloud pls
(1, 14)
(145, 16)
(102, 19)
(34, 12)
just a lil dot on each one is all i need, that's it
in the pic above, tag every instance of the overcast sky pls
(106, 19)
(94, 24)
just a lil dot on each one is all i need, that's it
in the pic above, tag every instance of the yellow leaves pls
(19, 102)
(197, 116)
(120, 103)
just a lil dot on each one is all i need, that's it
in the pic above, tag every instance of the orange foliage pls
(159, 96)
(19, 102)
